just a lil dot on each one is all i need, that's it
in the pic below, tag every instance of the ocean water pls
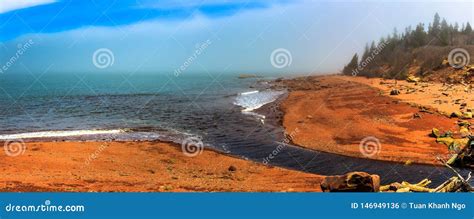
(222, 111)
(138, 107)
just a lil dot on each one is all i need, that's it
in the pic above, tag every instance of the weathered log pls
(351, 182)
(424, 182)
(404, 189)
(416, 188)
(450, 185)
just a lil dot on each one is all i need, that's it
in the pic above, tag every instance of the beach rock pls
(413, 79)
(425, 109)
(435, 133)
(417, 116)
(470, 69)
(456, 114)
(245, 76)
(232, 168)
(351, 182)
(467, 115)
(464, 123)
(394, 92)
(445, 140)
(445, 62)
(464, 132)
(408, 162)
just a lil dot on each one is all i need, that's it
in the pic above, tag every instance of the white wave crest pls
(54, 134)
(253, 100)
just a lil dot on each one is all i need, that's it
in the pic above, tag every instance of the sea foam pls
(253, 100)
(55, 134)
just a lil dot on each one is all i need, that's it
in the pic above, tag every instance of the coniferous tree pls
(435, 28)
(393, 53)
(372, 47)
(468, 28)
(419, 36)
(444, 33)
(352, 66)
(366, 52)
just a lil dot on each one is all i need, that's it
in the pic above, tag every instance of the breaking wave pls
(56, 134)
(253, 100)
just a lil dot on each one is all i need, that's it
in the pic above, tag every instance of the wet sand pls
(140, 167)
(335, 113)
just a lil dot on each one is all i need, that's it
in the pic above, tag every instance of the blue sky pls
(48, 16)
(161, 36)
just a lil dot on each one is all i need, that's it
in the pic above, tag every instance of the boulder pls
(464, 132)
(351, 182)
(413, 79)
(467, 115)
(456, 114)
(232, 168)
(445, 62)
(394, 92)
(435, 133)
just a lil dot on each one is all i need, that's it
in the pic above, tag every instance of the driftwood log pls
(351, 182)
(456, 183)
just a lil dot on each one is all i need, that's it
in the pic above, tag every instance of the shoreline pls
(151, 166)
(335, 114)
(121, 165)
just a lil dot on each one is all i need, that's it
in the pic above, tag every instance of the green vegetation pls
(418, 51)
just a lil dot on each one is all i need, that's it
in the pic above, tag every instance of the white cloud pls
(11, 5)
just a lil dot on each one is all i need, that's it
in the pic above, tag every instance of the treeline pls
(425, 47)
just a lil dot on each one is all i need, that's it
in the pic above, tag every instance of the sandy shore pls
(140, 167)
(446, 98)
(335, 113)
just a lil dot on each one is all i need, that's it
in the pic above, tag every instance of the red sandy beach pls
(331, 113)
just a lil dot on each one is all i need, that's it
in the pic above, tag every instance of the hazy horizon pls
(217, 36)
